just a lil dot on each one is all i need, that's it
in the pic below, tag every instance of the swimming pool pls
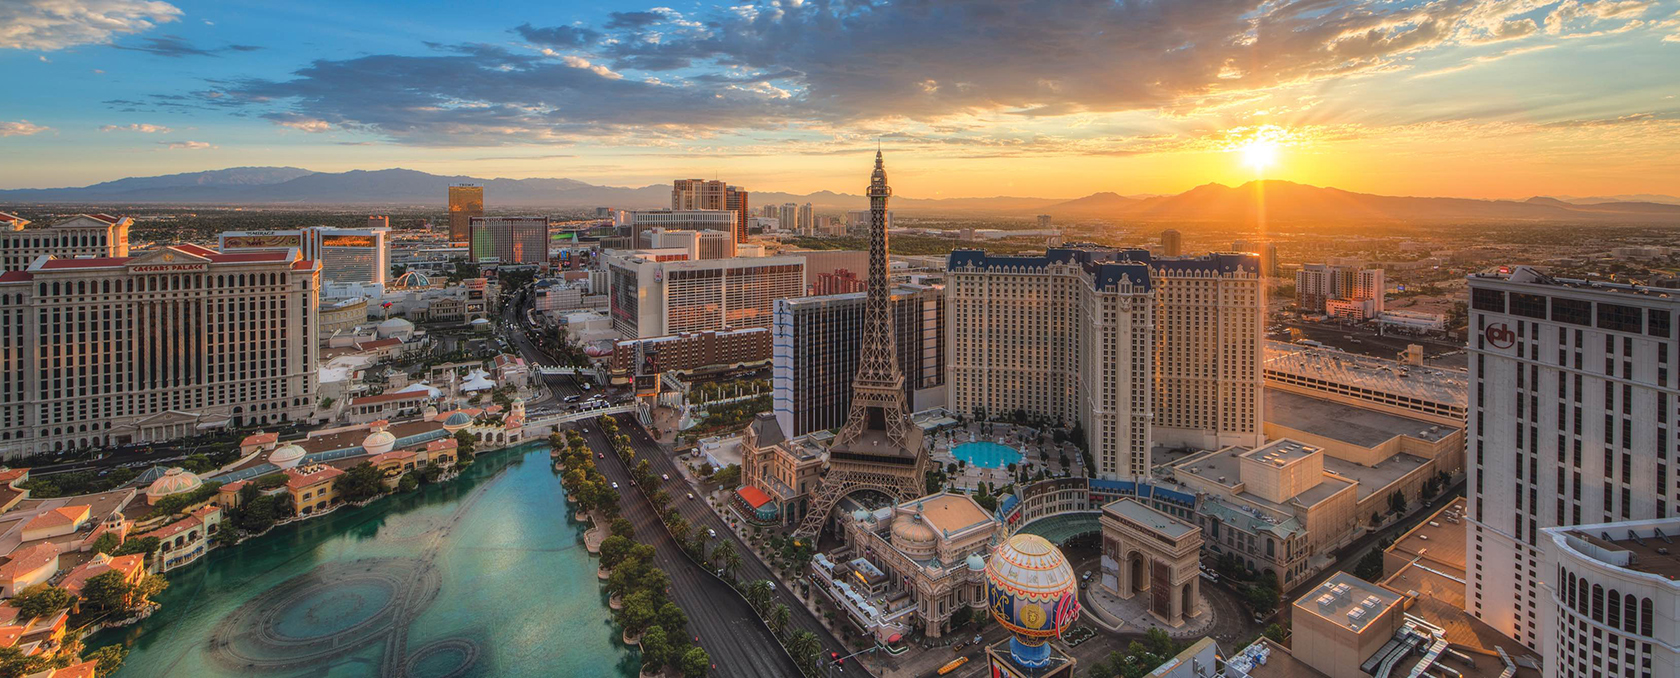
(987, 454)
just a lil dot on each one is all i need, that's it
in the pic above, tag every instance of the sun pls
(1259, 154)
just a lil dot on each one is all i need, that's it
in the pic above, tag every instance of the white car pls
(615, 486)
(665, 476)
(711, 533)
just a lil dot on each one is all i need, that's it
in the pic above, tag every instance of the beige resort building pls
(910, 566)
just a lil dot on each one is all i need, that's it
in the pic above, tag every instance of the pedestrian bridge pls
(542, 425)
(562, 371)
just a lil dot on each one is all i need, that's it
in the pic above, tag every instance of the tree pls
(144, 545)
(409, 482)
(640, 611)
(758, 595)
(14, 664)
(464, 443)
(1396, 503)
(1376, 518)
(1370, 567)
(614, 549)
(110, 593)
(106, 543)
(361, 482)
(805, 649)
(621, 527)
(40, 600)
(1274, 633)
(655, 649)
(695, 663)
(961, 616)
(778, 620)
(673, 620)
(729, 477)
(110, 659)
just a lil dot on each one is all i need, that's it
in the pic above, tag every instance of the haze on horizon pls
(1467, 98)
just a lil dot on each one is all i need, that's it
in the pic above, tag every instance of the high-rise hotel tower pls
(1572, 422)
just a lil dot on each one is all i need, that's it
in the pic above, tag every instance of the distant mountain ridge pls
(1279, 200)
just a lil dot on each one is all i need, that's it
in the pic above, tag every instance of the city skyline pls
(1452, 99)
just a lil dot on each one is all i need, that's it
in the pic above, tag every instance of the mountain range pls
(1280, 200)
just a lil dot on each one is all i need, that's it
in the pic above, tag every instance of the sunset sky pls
(1499, 99)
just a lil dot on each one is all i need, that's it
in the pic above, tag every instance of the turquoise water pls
(987, 454)
(481, 576)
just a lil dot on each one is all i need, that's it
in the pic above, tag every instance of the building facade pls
(1612, 595)
(509, 240)
(699, 194)
(1172, 243)
(347, 255)
(1318, 285)
(695, 352)
(111, 351)
(816, 343)
(84, 235)
(465, 202)
(1125, 345)
(651, 298)
(1572, 422)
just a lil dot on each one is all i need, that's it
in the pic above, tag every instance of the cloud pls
(298, 122)
(48, 25)
(657, 75)
(1483, 59)
(174, 46)
(186, 145)
(143, 128)
(20, 128)
(558, 36)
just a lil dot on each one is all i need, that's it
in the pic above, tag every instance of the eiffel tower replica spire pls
(879, 448)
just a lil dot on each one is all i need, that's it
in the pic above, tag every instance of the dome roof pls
(976, 563)
(379, 442)
(479, 321)
(394, 327)
(174, 481)
(914, 536)
(1031, 587)
(459, 418)
(430, 411)
(860, 515)
(286, 456)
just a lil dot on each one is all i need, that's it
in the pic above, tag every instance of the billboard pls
(347, 241)
(253, 242)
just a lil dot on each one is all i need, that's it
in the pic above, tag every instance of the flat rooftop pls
(1150, 518)
(1641, 546)
(1345, 423)
(1284, 451)
(1347, 601)
(1430, 384)
(949, 513)
(1438, 541)
(1377, 478)
(1221, 467)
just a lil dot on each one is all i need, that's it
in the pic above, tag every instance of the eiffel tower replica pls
(879, 448)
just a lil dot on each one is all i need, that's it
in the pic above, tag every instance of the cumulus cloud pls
(186, 145)
(771, 64)
(20, 128)
(49, 25)
(141, 127)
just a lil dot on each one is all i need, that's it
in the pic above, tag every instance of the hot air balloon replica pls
(1032, 592)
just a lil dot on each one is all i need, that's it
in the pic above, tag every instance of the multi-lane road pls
(725, 625)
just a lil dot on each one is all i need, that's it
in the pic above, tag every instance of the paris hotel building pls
(1137, 350)
(112, 350)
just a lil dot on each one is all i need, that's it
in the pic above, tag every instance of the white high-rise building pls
(1317, 285)
(161, 345)
(1612, 596)
(807, 220)
(1572, 411)
(1135, 350)
(790, 218)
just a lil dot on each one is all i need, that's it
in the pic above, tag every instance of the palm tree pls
(758, 595)
(779, 619)
(805, 649)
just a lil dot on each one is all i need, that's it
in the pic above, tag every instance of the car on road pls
(599, 455)
(665, 476)
(691, 495)
(711, 533)
(615, 486)
(573, 398)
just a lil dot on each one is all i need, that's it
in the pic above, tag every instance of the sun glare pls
(1259, 154)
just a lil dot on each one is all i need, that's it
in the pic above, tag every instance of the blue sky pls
(1502, 98)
